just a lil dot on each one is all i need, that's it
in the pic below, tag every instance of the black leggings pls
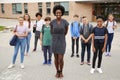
(77, 45)
(98, 52)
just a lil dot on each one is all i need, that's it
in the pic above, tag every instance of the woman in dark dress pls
(59, 28)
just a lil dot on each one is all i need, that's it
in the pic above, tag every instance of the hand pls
(114, 27)
(103, 49)
(93, 49)
(86, 41)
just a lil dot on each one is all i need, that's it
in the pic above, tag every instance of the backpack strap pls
(107, 23)
(43, 29)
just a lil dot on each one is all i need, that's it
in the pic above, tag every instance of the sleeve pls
(93, 31)
(51, 27)
(66, 24)
(81, 30)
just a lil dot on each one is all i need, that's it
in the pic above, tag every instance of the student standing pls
(21, 32)
(28, 23)
(38, 25)
(99, 40)
(46, 40)
(86, 37)
(59, 28)
(110, 25)
(75, 34)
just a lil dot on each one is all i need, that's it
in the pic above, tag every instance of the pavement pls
(35, 70)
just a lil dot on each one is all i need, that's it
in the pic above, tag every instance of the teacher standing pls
(59, 28)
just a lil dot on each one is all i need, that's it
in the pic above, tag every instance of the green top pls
(46, 38)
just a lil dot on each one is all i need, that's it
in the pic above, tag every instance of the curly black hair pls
(100, 17)
(58, 7)
(38, 14)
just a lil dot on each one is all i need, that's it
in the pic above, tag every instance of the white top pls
(39, 24)
(110, 26)
(26, 23)
(21, 29)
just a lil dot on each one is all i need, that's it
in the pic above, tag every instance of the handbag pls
(34, 28)
(14, 39)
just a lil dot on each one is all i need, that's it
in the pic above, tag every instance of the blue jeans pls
(47, 49)
(84, 45)
(20, 44)
(109, 42)
(28, 38)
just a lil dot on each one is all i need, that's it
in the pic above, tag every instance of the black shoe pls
(72, 55)
(77, 56)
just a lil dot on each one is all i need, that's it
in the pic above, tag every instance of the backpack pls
(43, 29)
(88, 25)
(78, 24)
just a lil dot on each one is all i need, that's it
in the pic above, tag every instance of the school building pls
(89, 8)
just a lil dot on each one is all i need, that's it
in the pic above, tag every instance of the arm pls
(66, 30)
(41, 36)
(93, 47)
(105, 42)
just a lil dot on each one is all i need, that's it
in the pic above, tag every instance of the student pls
(21, 31)
(75, 33)
(28, 23)
(46, 40)
(99, 40)
(59, 28)
(86, 36)
(38, 24)
(110, 25)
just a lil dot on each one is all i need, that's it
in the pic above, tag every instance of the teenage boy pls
(38, 26)
(99, 40)
(46, 40)
(75, 33)
(86, 37)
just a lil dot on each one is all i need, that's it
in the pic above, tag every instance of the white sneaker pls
(92, 70)
(22, 66)
(11, 66)
(99, 70)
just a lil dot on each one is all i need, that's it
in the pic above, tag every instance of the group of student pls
(52, 38)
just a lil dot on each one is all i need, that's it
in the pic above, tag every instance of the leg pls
(16, 48)
(73, 43)
(45, 54)
(77, 45)
(82, 52)
(100, 56)
(50, 52)
(95, 56)
(28, 42)
(110, 42)
(56, 64)
(22, 48)
(35, 44)
(61, 63)
(88, 52)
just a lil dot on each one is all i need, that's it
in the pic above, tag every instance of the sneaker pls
(34, 50)
(49, 63)
(11, 66)
(106, 54)
(72, 55)
(92, 70)
(22, 66)
(88, 63)
(109, 54)
(81, 63)
(44, 62)
(99, 70)
(77, 56)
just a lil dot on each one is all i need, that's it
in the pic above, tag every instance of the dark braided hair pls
(58, 7)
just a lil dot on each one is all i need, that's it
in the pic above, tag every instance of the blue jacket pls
(75, 29)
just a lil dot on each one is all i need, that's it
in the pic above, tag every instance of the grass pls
(2, 28)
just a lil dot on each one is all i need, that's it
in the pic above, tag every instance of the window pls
(40, 7)
(2, 8)
(25, 8)
(48, 8)
(17, 8)
(65, 5)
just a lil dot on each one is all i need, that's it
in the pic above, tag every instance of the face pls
(38, 17)
(21, 20)
(99, 22)
(47, 22)
(58, 13)
(26, 17)
(84, 20)
(110, 17)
